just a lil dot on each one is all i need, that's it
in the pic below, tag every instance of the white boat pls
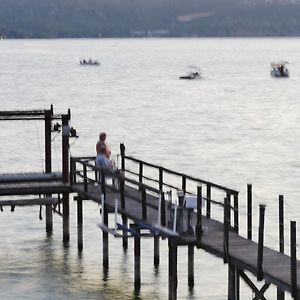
(279, 69)
(192, 73)
(89, 62)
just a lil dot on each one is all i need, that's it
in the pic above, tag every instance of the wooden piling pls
(191, 265)
(137, 259)
(293, 260)
(172, 269)
(79, 224)
(280, 294)
(231, 282)
(65, 170)
(48, 165)
(162, 210)
(236, 229)
(124, 217)
(156, 251)
(105, 248)
(66, 217)
(249, 211)
(260, 249)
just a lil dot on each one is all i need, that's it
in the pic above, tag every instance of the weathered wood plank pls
(28, 202)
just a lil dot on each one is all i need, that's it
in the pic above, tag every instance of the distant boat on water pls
(192, 73)
(89, 62)
(279, 69)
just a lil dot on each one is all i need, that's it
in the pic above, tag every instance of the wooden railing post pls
(144, 204)
(199, 230)
(85, 183)
(281, 224)
(228, 196)
(226, 230)
(260, 249)
(236, 212)
(208, 198)
(293, 260)
(280, 294)
(122, 152)
(249, 211)
(183, 185)
(123, 207)
(162, 210)
(160, 179)
(140, 173)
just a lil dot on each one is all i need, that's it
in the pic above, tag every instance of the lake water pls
(236, 125)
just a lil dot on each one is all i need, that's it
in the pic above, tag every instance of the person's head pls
(102, 136)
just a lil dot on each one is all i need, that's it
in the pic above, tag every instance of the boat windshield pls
(280, 64)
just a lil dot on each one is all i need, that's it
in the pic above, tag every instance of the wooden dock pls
(156, 202)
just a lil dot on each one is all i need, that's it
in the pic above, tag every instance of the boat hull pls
(278, 73)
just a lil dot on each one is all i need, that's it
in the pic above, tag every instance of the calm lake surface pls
(236, 125)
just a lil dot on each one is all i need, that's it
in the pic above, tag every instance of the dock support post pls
(65, 170)
(105, 222)
(48, 165)
(156, 251)
(137, 259)
(280, 294)
(172, 269)
(293, 260)
(249, 211)
(79, 224)
(191, 265)
(124, 218)
(122, 191)
(231, 282)
(66, 218)
(236, 229)
(260, 249)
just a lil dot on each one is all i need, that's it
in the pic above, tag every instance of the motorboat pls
(192, 73)
(279, 69)
(89, 62)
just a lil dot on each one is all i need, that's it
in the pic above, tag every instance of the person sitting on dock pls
(100, 143)
(102, 160)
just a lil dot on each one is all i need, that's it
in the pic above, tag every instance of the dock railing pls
(84, 170)
(159, 178)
